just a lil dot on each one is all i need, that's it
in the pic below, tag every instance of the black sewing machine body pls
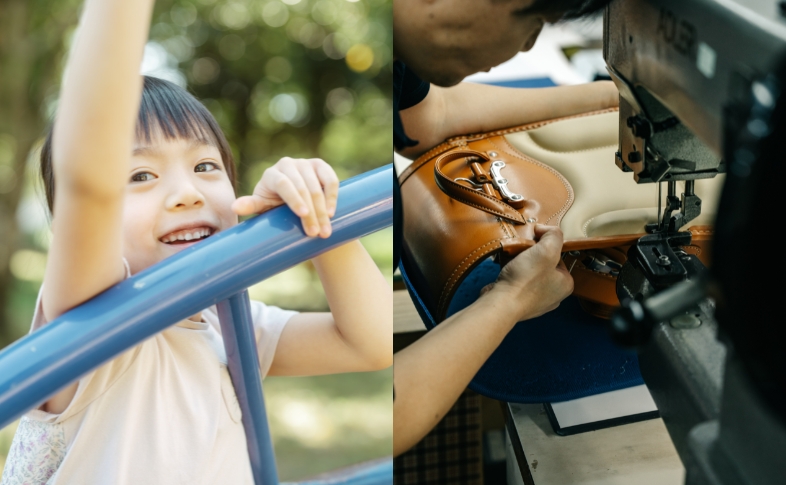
(702, 92)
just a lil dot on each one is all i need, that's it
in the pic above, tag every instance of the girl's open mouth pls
(185, 236)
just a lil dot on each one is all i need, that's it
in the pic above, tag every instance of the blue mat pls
(565, 354)
(538, 82)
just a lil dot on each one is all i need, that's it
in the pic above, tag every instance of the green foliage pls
(298, 78)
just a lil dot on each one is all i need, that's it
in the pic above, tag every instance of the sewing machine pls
(701, 85)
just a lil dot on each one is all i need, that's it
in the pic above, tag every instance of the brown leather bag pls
(480, 196)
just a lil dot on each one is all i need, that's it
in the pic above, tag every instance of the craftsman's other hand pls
(308, 186)
(536, 280)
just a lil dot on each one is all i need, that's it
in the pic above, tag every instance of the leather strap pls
(472, 197)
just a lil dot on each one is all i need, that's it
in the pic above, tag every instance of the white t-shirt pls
(164, 412)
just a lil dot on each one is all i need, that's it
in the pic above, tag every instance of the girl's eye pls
(142, 177)
(206, 167)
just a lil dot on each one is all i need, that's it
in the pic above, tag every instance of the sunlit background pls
(299, 78)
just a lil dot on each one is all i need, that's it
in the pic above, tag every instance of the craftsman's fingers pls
(550, 240)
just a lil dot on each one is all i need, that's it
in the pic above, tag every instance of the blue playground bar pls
(215, 272)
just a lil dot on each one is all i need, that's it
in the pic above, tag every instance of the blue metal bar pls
(35, 367)
(237, 330)
(378, 472)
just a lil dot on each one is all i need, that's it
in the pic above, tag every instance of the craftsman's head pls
(443, 41)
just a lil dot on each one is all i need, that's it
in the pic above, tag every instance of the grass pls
(324, 423)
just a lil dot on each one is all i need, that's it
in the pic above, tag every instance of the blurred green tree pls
(299, 78)
(32, 43)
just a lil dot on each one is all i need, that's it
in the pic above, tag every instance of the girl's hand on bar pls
(308, 186)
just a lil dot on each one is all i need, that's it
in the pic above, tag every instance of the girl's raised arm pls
(91, 148)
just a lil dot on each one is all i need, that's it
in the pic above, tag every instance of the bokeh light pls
(360, 57)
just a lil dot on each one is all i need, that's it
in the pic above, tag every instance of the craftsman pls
(437, 43)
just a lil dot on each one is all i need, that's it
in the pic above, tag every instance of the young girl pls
(142, 171)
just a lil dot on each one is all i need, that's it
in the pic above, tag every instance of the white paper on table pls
(605, 406)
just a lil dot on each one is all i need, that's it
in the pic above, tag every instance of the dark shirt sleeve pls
(413, 90)
(408, 90)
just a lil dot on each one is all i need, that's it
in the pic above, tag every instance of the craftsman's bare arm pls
(475, 108)
(430, 374)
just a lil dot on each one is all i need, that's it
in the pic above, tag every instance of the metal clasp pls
(475, 186)
(501, 183)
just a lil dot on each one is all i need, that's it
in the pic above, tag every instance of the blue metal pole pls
(35, 367)
(237, 329)
(378, 472)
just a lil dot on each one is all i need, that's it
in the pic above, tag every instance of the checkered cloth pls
(450, 454)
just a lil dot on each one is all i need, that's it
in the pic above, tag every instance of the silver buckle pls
(501, 183)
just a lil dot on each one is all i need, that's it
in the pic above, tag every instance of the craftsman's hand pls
(536, 280)
(308, 186)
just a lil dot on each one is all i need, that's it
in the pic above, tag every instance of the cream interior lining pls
(607, 200)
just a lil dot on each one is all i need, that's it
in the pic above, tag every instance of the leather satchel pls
(479, 196)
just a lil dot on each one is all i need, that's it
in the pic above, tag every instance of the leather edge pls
(460, 271)
(461, 140)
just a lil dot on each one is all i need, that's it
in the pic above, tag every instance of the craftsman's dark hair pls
(165, 110)
(570, 9)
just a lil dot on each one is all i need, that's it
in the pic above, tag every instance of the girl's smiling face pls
(180, 187)
(178, 194)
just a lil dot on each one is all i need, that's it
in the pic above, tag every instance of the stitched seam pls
(586, 225)
(444, 146)
(451, 281)
(562, 210)
(504, 227)
(535, 125)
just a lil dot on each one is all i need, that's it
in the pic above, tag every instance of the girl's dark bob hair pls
(166, 110)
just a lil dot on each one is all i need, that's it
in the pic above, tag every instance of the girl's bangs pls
(169, 111)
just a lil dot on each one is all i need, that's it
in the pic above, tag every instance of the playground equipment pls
(215, 272)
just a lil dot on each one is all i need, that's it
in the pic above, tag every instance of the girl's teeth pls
(188, 236)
